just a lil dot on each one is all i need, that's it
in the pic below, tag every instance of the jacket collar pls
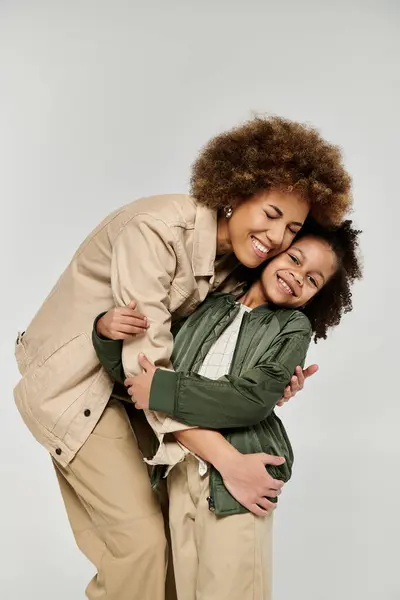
(205, 241)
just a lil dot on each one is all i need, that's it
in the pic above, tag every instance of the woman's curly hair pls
(273, 152)
(326, 308)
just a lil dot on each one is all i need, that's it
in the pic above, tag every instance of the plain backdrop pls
(102, 102)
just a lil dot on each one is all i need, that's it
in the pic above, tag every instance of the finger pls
(256, 510)
(311, 370)
(273, 488)
(133, 319)
(124, 315)
(276, 484)
(287, 394)
(300, 377)
(266, 504)
(114, 334)
(270, 459)
(145, 363)
(119, 336)
(130, 329)
(273, 493)
(132, 304)
(294, 385)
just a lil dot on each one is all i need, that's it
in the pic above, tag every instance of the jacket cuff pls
(163, 391)
(100, 343)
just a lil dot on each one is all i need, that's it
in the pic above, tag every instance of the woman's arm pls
(143, 242)
(244, 475)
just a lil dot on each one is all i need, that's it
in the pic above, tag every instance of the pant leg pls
(146, 439)
(234, 553)
(182, 523)
(170, 586)
(86, 535)
(114, 514)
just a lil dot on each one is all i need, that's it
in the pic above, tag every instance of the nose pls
(275, 234)
(298, 277)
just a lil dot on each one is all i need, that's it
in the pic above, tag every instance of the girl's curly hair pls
(273, 152)
(326, 308)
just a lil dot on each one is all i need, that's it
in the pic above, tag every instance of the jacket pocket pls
(58, 377)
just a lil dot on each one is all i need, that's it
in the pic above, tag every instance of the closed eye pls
(271, 215)
(294, 259)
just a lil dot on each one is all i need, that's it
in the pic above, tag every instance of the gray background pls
(102, 102)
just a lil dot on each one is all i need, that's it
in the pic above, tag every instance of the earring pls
(228, 212)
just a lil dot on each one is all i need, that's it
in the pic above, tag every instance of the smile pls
(259, 248)
(285, 287)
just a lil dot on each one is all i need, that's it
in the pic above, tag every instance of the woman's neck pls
(255, 296)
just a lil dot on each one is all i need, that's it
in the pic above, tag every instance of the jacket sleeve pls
(109, 353)
(234, 401)
(143, 266)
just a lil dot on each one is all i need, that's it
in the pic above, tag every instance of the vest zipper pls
(240, 334)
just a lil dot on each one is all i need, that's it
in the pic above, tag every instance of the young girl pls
(233, 360)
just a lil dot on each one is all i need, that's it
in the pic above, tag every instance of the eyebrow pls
(304, 256)
(280, 214)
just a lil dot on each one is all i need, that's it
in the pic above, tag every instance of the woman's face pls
(262, 226)
(291, 279)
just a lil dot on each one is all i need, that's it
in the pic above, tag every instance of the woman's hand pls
(248, 481)
(244, 475)
(122, 322)
(297, 383)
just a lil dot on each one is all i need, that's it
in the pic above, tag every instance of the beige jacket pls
(161, 252)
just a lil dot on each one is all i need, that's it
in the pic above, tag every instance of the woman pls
(252, 190)
(250, 347)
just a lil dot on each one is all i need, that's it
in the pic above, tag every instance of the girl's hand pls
(122, 323)
(139, 386)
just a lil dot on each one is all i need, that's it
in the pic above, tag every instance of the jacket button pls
(87, 413)
(58, 451)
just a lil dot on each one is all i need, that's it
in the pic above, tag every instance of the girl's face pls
(295, 276)
(262, 226)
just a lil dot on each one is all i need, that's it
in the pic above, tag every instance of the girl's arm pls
(244, 475)
(233, 401)
(229, 401)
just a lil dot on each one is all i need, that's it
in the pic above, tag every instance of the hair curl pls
(273, 152)
(326, 308)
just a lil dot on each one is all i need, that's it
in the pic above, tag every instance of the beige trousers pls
(115, 516)
(227, 558)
